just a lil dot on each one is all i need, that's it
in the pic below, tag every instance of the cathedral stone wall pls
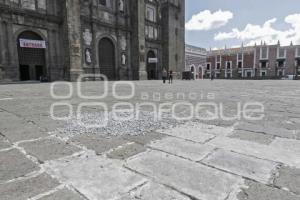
(70, 32)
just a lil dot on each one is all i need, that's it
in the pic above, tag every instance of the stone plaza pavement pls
(191, 160)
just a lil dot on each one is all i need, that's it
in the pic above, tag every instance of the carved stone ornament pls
(87, 37)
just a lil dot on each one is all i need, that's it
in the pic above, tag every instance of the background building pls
(259, 61)
(62, 39)
(195, 60)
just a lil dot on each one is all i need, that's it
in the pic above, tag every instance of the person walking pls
(212, 77)
(170, 77)
(164, 75)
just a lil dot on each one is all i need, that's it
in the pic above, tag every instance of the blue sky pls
(224, 15)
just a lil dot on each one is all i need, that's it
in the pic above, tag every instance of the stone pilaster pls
(73, 24)
(138, 53)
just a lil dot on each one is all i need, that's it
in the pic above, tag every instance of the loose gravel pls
(92, 122)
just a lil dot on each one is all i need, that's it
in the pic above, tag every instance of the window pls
(280, 63)
(151, 13)
(264, 65)
(264, 53)
(102, 2)
(228, 65)
(240, 64)
(298, 52)
(281, 53)
(208, 66)
(33, 4)
(218, 65)
(240, 56)
(263, 74)
(151, 32)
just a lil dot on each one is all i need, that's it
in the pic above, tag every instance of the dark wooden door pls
(107, 58)
(151, 67)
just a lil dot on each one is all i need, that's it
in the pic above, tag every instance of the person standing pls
(170, 77)
(164, 75)
(212, 77)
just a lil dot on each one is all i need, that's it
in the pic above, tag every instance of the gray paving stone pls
(258, 191)
(188, 177)
(189, 133)
(46, 122)
(289, 178)
(98, 143)
(63, 194)
(253, 168)
(126, 151)
(258, 150)
(14, 164)
(252, 136)
(288, 144)
(20, 131)
(183, 148)
(270, 128)
(49, 149)
(24, 189)
(94, 176)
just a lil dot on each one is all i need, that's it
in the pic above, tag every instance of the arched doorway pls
(31, 53)
(107, 62)
(151, 65)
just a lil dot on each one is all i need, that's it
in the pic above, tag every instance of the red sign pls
(34, 44)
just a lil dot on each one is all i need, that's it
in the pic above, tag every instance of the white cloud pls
(206, 20)
(266, 32)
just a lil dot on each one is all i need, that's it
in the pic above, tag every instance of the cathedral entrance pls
(31, 53)
(152, 66)
(107, 58)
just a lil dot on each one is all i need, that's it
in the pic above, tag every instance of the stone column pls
(73, 24)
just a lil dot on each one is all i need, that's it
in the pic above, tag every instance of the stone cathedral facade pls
(62, 39)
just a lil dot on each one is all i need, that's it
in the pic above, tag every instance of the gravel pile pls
(143, 124)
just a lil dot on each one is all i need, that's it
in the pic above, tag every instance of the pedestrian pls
(164, 75)
(212, 77)
(170, 77)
